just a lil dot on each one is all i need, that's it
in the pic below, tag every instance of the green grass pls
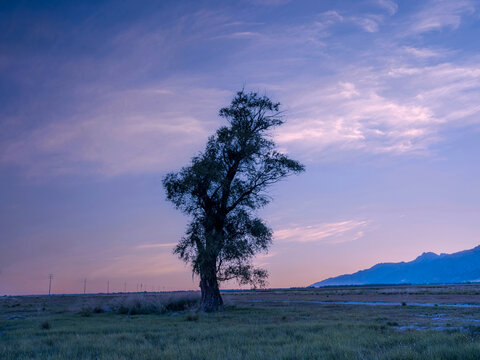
(244, 332)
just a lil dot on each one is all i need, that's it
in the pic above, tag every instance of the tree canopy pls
(222, 188)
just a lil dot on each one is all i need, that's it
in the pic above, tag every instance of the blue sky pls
(98, 100)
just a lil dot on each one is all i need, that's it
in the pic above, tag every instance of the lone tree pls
(222, 188)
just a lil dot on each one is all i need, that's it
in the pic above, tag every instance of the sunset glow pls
(98, 101)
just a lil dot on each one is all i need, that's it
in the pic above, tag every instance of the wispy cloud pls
(437, 15)
(424, 52)
(331, 233)
(392, 98)
(155, 246)
(244, 34)
(389, 5)
(349, 118)
(368, 22)
(136, 131)
(395, 109)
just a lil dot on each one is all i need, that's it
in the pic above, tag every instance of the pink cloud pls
(336, 232)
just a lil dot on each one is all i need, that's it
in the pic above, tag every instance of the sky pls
(99, 100)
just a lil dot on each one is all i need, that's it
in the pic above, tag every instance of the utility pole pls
(108, 286)
(84, 286)
(50, 277)
(125, 287)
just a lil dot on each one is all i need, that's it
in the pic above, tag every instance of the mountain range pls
(428, 268)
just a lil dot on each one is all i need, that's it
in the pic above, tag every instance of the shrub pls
(98, 310)
(45, 325)
(85, 312)
(180, 303)
(140, 304)
(156, 304)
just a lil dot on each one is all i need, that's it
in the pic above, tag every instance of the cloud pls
(449, 90)
(307, 36)
(330, 233)
(155, 246)
(263, 260)
(348, 118)
(399, 109)
(437, 15)
(396, 109)
(424, 52)
(135, 131)
(114, 108)
(239, 35)
(390, 6)
(315, 34)
(393, 97)
(369, 23)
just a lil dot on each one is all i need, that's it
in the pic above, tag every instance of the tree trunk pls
(211, 298)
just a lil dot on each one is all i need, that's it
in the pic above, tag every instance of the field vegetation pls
(167, 326)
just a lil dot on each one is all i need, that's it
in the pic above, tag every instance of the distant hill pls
(428, 268)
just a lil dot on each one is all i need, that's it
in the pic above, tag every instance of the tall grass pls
(141, 304)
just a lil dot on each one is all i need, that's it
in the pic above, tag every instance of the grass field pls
(254, 325)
